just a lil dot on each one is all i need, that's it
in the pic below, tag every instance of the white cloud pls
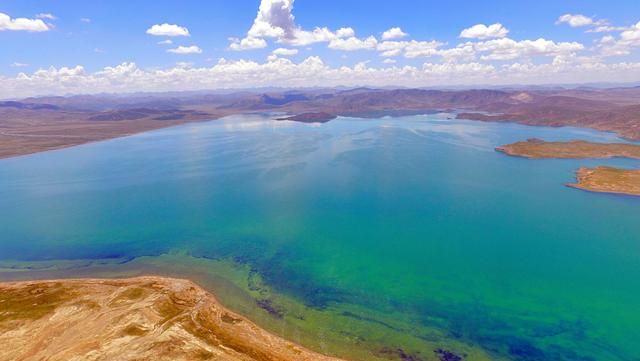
(247, 44)
(186, 50)
(394, 33)
(606, 29)
(345, 33)
(481, 31)
(508, 49)
(389, 61)
(85, 20)
(16, 64)
(127, 77)
(575, 21)
(416, 49)
(46, 16)
(463, 52)
(631, 36)
(21, 24)
(165, 42)
(595, 25)
(353, 43)
(410, 49)
(285, 52)
(168, 30)
(275, 20)
(318, 35)
(623, 45)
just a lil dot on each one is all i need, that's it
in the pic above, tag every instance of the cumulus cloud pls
(186, 50)
(481, 31)
(622, 45)
(463, 52)
(247, 43)
(47, 16)
(168, 30)
(285, 52)
(575, 21)
(275, 20)
(606, 29)
(394, 33)
(22, 24)
(311, 72)
(353, 43)
(594, 25)
(409, 49)
(509, 49)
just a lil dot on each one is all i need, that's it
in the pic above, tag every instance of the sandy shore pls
(145, 318)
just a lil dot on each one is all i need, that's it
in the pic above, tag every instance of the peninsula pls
(145, 318)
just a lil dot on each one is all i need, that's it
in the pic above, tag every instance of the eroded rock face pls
(147, 318)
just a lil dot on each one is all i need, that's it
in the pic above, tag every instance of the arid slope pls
(147, 318)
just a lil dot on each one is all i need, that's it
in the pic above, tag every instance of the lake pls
(373, 239)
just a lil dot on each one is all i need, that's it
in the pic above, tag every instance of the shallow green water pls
(400, 233)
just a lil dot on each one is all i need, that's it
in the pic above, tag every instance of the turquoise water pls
(416, 217)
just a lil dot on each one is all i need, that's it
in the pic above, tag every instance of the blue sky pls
(505, 42)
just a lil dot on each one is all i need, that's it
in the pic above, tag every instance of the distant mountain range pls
(610, 109)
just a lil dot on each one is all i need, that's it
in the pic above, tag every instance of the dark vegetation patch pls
(446, 355)
(367, 319)
(397, 354)
(268, 305)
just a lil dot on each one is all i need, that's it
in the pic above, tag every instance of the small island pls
(145, 318)
(600, 179)
(577, 149)
(313, 117)
(608, 180)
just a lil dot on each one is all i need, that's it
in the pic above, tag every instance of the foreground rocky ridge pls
(146, 318)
